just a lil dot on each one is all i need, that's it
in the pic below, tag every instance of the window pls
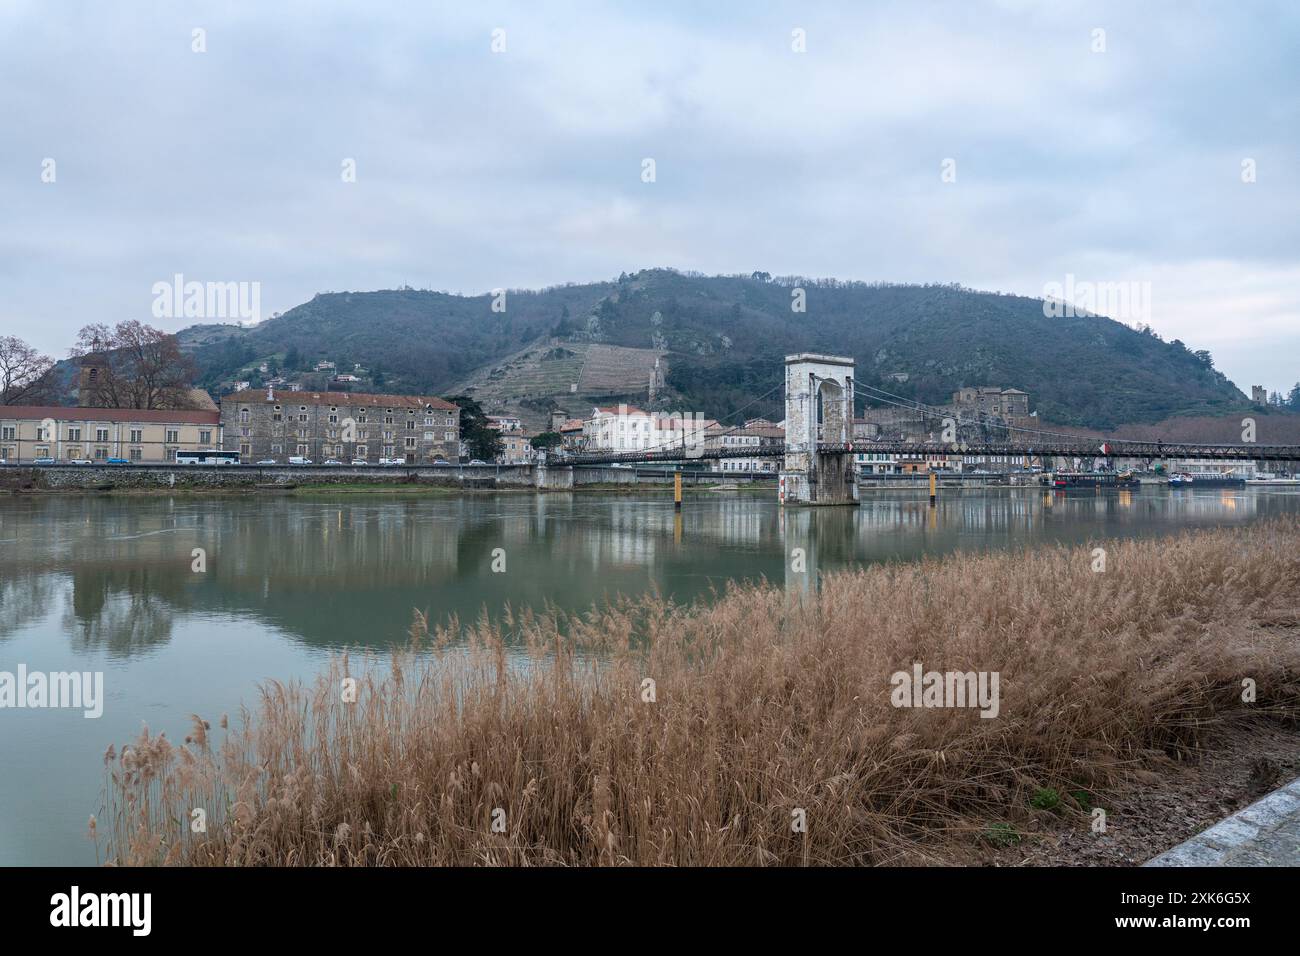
(334, 419)
(388, 451)
(136, 454)
(173, 435)
(388, 436)
(205, 437)
(101, 453)
(101, 434)
(7, 433)
(245, 449)
(449, 436)
(243, 414)
(276, 449)
(170, 454)
(410, 424)
(137, 435)
(362, 451)
(42, 452)
(302, 417)
(410, 441)
(388, 419)
(302, 449)
(74, 434)
(6, 453)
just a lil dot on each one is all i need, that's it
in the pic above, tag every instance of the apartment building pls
(625, 428)
(341, 425)
(80, 433)
(752, 437)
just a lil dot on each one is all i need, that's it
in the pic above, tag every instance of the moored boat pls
(1095, 479)
(1206, 479)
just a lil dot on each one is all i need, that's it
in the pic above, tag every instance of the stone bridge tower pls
(818, 412)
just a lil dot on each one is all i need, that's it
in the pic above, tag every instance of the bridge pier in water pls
(819, 467)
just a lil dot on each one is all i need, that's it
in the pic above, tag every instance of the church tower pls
(90, 378)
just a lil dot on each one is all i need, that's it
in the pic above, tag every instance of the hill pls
(721, 340)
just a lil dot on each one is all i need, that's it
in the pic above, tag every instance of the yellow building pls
(29, 432)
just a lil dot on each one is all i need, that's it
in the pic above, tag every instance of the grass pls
(764, 704)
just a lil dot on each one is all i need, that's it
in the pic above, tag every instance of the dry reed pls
(764, 704)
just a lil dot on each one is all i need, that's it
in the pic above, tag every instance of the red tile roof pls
(75, 413)
(255, 396)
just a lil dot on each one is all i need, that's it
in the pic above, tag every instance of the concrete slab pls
(1266, 833)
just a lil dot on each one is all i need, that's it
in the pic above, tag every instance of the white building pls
(753, 436)
(626, 428)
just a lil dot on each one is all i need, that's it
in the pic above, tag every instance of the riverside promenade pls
(1266, 833)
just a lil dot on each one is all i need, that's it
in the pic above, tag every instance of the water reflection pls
(333, 572)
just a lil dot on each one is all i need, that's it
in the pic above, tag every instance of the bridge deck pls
(1114, 449)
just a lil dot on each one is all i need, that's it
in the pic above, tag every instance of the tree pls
(26, 376)
(140, 367)
(483, 442)
(546, 440)
(1293, 398)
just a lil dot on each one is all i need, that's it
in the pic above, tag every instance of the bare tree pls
(140, 367)
(26, 376)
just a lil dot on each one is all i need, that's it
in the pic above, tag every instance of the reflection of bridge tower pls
(819, 466)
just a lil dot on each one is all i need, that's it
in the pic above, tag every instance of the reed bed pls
(530, 741)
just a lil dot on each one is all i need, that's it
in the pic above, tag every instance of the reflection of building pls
(98, 434)
(343, 425)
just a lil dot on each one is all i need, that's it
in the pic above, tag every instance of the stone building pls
(98, 434)
(341, 425)
(1008, 404)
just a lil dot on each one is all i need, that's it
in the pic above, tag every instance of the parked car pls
(44, 461)
(359, 461)
(332, 461)
(444, 461)
(472, 461)
(268, 461)
(80, 461)
(118, 461)
(392, 461)
(299, 460)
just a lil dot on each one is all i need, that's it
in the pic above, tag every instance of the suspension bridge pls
(819, 452)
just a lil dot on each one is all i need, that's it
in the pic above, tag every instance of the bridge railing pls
(1052, 449)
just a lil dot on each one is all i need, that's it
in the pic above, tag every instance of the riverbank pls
(774, 730)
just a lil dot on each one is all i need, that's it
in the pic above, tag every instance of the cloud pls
(478, 170)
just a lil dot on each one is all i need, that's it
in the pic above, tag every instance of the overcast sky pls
(524, 168)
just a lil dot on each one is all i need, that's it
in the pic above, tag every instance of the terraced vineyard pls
(551, 370)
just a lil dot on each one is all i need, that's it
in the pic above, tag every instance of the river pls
(114, 585)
